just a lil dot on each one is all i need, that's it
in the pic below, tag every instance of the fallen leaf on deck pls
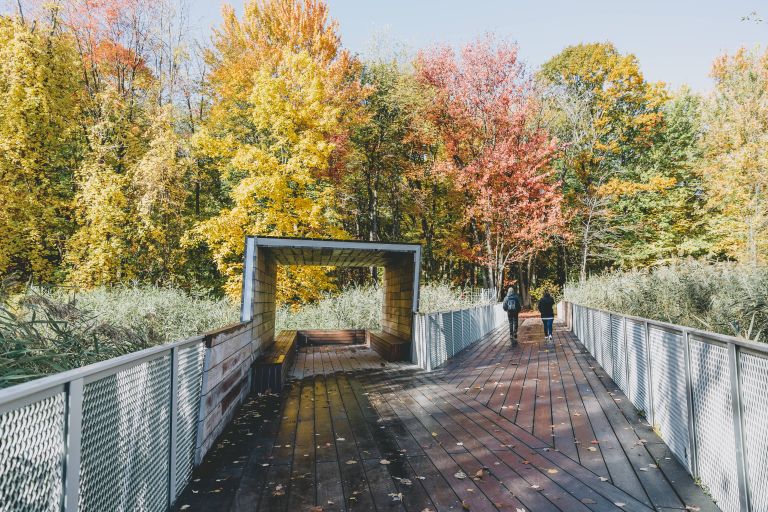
(396, 496)
(184, 507)
(316, 509)
(643, 469)
(603, 479)
(588, 501)
(279, 490)
(460, 475)
(459, 444)
(351, 462)
(480, 473)
(619, 504)
(465, 505)
(383, 461)
(534, 486)
(592, 448)
(594, 441)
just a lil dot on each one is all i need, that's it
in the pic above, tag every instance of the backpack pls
(511, 304)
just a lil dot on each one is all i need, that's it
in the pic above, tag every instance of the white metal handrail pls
(439, 336)
(704, 392)
(111, 434)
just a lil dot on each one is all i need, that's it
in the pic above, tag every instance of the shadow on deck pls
(535, 428)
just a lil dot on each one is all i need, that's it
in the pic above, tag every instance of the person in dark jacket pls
(512, 305)
(546, 304)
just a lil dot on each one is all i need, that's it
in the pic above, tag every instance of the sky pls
(674, 40)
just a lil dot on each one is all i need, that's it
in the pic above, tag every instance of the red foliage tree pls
(495, 152)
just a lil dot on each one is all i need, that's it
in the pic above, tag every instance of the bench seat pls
(270, 371)
(390, 347)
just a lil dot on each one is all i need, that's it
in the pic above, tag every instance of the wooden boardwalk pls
(535, 428)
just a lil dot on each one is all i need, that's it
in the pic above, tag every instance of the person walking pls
(546, 304)
(512, 305)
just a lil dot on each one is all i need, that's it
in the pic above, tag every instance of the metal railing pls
(705, 393)
(116, 435)
(439, 336)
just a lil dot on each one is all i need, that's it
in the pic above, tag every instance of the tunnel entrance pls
(401, 264)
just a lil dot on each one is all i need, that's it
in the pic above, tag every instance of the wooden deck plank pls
(351, 432)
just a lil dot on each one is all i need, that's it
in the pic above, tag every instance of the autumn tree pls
(735, 163)
(135, 179)
(606, 115)
(285, 93)
(498, 157)
(39, 113)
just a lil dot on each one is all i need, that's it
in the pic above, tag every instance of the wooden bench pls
(332, 337)
(390, 347)
(271, 369)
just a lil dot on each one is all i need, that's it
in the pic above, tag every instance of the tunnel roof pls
(335, 253)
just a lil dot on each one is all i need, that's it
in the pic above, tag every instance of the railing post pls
(428, 337)
(626, 357)
(174, 424)
(692, 446)
(74, 424)
(609, 345)
(649, 374)
(738, 425)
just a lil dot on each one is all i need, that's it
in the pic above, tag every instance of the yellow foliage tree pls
(285, 97)
(735, 163)
(159, 184)
(39, 106)
(102, 250)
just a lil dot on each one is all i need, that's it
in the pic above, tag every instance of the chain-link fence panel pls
(618, 353)
(190, 378)
(126, 439)
(637, 366)
(713, 413)
(754, 376)
(670, 397)
(32, 456)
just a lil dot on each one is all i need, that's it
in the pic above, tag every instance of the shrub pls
(360, 307)
(727, 298)
(44, 332)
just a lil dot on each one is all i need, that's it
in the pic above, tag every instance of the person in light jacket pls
(546, 308)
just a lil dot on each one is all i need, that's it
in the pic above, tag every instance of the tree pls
(498, 157)
(606, 115)
(136, 176)
(39, 110)
(735, 163)
(159, 182)
(285, 96)
(658, 207)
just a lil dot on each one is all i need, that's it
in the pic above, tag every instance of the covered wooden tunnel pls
(401, 263)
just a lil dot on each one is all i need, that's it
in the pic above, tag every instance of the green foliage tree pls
(659, 207)
(606, 115)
